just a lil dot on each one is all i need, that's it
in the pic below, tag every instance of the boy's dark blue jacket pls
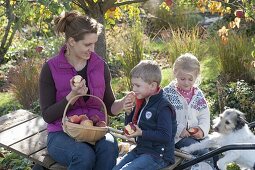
(157, 120)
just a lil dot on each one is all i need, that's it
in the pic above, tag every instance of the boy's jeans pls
(133, 161)
(79, 156)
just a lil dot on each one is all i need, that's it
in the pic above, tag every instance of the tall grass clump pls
(24, 82)
(235, 59)
(132, 49)
(184, 41)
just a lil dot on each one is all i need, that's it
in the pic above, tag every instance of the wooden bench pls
(25, 133)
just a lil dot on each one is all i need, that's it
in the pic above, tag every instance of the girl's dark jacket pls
(157, 120)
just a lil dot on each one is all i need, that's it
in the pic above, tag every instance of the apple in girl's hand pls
(87, 123)
(101, 124)
(129, 129)
(75, 119)
(95, 118)
(83, 117)
(193, 131)
(76, 80)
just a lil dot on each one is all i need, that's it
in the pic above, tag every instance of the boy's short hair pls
(148, 70)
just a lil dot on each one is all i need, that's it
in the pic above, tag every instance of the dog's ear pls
(240, 120)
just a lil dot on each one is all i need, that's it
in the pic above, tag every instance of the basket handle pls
(69, 102)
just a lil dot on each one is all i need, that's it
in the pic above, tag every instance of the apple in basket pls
(75, 119)
(76, 80)
(129, 129)
(101, 124)
(83, 117)
(95, 118)
(192, 131)
(87, 123)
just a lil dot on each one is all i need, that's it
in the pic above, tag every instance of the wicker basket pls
(82, 133)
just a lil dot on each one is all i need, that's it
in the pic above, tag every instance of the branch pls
(81, 5)
(90, 2)
(129, 2)
(111, 3)
(16, 26)
(8, 27)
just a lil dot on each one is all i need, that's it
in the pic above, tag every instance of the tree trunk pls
(101, 43)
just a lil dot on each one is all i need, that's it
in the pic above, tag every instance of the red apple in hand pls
(129, 129)
(76, 80)
(193, 131)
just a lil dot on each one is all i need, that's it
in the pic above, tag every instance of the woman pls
(77, 57)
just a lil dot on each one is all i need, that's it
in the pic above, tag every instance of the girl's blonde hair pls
(75, 25)
(188, 63)
(148, 70)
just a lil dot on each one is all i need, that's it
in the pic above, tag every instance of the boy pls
(154, 119)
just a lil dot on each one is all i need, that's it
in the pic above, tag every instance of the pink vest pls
(62, 72)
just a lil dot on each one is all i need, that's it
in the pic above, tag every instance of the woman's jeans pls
(82, 156)
(133, 161)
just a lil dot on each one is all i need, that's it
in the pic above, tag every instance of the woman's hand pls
(129, 101)
(199, 134)
(138, 132)
(80, 88)
(184, 133)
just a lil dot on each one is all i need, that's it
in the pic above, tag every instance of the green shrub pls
(14, 162)
(24, 82)
(238, 95)
(235, 58)
(209, 88)
(8, 103)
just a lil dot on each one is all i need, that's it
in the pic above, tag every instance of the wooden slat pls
(22, 131)
(42, 157)
(15, 118)
(32, 144)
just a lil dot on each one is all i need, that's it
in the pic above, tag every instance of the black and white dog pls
(229, 128)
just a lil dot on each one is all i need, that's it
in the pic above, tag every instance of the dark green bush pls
(15, 162)
(238, 95)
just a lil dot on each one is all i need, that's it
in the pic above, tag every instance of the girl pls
(192, 112)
